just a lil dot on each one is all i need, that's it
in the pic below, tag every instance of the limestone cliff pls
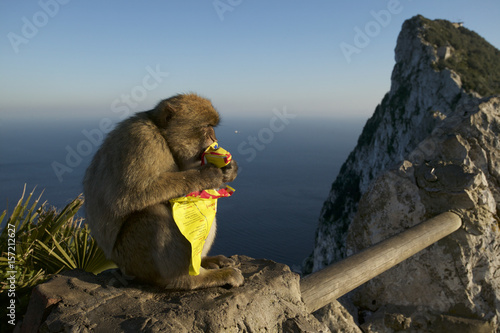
(431, 145)
(424, 91)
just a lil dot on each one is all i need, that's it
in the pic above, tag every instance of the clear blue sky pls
(73, 59)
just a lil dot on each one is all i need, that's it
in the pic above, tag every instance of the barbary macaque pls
(146, 160)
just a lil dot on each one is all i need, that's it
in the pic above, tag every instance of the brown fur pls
(146, 160)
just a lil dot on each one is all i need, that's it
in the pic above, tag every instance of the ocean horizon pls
(287, 166)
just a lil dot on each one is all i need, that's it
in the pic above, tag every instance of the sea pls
(286, 168)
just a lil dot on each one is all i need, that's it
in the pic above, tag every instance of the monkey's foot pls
(234, 276)
(223, 277)
(217, 262)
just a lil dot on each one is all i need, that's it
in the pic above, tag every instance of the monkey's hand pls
(230, 172)
(213, 176)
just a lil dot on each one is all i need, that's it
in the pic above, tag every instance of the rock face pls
(460, 275)
(269, 301)
(432, 145)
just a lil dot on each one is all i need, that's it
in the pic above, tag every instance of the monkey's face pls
(190, 143)
(198, 139)
(188, 122)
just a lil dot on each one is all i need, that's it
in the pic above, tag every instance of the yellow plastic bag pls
(195, 212)
(194, 215)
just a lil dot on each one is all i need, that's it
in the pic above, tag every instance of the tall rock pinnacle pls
(431, 146)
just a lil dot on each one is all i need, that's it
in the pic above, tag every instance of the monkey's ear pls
(165, 111)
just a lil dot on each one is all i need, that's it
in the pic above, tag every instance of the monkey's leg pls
(150, 246)
(215, 261)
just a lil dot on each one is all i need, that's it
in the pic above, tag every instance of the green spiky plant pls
(38, 242)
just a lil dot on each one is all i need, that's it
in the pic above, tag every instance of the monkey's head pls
(187, 122)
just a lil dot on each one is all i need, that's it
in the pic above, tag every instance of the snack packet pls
(216, 155)
(195, 212)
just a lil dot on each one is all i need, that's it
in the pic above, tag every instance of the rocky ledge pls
(269, 301)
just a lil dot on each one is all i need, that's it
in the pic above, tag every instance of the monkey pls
(149, 158)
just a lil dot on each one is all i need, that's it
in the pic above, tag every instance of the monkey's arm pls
(176, 184)
(180, 183)
(168, 185)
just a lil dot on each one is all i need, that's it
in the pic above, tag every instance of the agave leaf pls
(83, 238)
(48, 242)
(53, 227)
(67, 261)
(2, 216)
(90, 256)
